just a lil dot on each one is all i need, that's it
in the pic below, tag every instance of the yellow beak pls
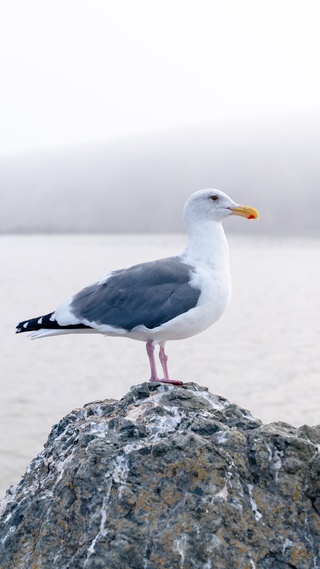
(245, 211)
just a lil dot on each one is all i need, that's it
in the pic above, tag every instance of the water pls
(263, 354)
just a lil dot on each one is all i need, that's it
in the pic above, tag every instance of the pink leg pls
(164, 363)
(150, 352)
(163, 359)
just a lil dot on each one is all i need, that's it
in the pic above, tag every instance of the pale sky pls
(76, 71)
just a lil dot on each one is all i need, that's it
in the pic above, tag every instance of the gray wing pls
(149, 294)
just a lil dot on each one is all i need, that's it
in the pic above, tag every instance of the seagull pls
(167, 299)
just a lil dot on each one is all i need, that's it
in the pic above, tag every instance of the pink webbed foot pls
(163, 359)
(163, 380)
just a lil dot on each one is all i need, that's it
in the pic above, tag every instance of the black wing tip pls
(33, 324)
(24, 326)
(46, 322)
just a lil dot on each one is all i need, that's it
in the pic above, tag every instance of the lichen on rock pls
(167, 477)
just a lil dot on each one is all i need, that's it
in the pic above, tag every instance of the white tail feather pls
(46, 332)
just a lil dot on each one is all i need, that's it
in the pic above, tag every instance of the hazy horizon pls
(139, 184)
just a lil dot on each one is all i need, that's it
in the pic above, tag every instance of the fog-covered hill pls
(139, 184)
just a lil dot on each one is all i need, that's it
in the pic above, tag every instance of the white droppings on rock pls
(9, 497)
(137, 410)
(223, 493)
(254, 506)
(97, 428)
(159, 424)
(286, 544)
(10, 532)
(9, 516)
(102, 529)
(61, 465)
(249, 417)
(135, 413)
(222, 437)
(181, 545)
(269, 451)
(164, 424)
(277, 463)
(215, 403)
(121, 470)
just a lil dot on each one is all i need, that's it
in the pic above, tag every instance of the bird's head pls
(215, 205)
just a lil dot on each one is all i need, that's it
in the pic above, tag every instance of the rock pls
(168, 477)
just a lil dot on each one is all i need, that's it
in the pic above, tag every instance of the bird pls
(167, 299)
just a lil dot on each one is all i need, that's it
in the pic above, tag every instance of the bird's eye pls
(214, 197)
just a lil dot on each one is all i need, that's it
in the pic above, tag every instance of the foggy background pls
(139, 183)
(112, 114)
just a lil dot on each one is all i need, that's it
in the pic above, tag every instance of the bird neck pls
(207, 245)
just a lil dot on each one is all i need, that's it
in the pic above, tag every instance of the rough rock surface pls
(168, 477)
